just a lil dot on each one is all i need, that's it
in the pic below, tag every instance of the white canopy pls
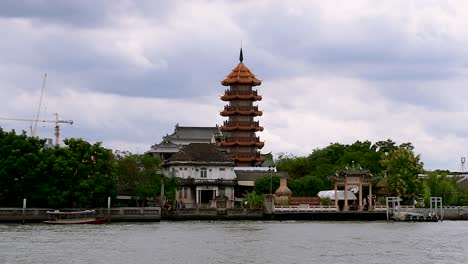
(331, 194)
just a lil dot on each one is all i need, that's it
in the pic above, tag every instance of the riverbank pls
(155, 214)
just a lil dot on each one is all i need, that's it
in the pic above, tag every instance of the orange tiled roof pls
(241, 75)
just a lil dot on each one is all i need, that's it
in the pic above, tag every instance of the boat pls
(75, 217)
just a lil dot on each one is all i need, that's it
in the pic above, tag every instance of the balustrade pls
(229, 92)
(243, 139)
(240, 108)
(241, 123)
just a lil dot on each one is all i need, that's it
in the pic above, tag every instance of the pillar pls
(268, 204)
(336, 196)
(161, 195)
(370, 197)
(360, 195)
(346, 207)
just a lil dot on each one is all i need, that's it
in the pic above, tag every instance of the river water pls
(236, 242)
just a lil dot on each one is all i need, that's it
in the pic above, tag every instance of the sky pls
(332, 71)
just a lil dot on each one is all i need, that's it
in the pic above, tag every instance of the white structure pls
(331, 194)
(204, 176)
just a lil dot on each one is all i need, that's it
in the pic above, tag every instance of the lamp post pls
(161, 195)
(271, 177)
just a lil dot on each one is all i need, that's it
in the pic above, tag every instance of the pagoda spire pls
(241, 55)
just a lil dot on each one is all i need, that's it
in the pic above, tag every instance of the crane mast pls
(36, 119)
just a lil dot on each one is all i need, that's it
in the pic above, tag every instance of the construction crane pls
(36, 119)
(57, 121)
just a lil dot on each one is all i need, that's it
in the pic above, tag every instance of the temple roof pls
(241, 75)
(191, 133)
(185, 135)
(353, 171)
(245, 175)
(200, 153)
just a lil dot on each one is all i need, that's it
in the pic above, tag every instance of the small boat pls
(76, 217)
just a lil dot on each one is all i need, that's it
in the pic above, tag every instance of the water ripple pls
(236, 242)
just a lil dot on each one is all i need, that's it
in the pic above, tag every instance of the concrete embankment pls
(34, 215)
(456, 213)
(129, 214)
(332, 216)
(214, 214)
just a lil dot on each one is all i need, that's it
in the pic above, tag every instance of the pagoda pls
(239, 138)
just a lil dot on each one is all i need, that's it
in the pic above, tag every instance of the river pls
(236, 242)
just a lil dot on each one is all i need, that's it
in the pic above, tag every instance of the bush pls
(253, 200)
(326, 201)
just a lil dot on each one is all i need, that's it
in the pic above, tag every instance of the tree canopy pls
(398, 163)
(81, 174)
(76, 175)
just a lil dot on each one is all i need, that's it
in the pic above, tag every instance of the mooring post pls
(108, 208)
(24, 210)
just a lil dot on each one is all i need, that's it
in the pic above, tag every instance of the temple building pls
(205, 176)
(182, 136)
(239, 137)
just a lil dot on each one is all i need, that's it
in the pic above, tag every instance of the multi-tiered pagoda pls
(239, 137)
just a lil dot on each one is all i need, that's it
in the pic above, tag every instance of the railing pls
(241, 123)
(379, 208)
(302, 200)
(242, 139)
(245, 154)
(229, 92)
(28, 211)
(240, 108)
(129, 211)
(192, 181)
(303, 208)
(116, 213)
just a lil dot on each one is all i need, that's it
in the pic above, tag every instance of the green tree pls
(20, 176)
(262, 184)
(137, 174)
(296, 166)
(403, 169)
(306, 186)
(91, 166)
(438, 184)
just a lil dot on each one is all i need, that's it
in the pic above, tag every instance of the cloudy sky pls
(333, 71)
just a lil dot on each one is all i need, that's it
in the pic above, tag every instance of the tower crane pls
(57, 121)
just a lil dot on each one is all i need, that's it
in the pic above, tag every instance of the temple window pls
(203, 172)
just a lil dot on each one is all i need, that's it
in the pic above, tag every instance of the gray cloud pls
(127, 71)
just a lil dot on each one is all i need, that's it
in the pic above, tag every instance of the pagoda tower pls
(239, 138)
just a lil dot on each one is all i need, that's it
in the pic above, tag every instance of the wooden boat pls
(76, 217)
